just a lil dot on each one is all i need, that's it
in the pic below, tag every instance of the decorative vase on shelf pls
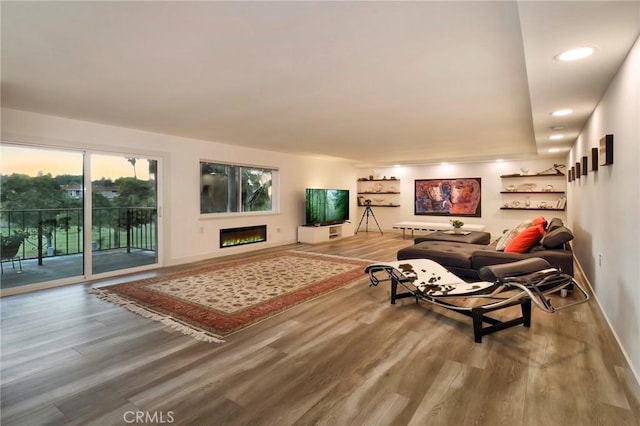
(527, 202)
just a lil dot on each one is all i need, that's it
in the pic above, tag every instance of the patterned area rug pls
(212, 302)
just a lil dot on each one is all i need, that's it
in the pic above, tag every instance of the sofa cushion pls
(445, 253)
(511, 234)
(473, 237)
(525, 240)
(557, 238)
(554, 224)
(540, 221)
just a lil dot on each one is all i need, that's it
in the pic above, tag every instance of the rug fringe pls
(167, 320)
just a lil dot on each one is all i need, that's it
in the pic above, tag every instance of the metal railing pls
(59, 232)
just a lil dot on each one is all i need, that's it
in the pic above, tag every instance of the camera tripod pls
(368, 212)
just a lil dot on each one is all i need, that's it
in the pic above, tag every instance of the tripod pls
(368, 212)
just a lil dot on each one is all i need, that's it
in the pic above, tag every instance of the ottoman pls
(472, 237)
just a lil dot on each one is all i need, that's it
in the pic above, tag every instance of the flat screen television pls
(326, 206)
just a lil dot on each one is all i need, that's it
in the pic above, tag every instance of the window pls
(226, 188)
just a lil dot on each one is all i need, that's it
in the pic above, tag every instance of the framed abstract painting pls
(448, 197)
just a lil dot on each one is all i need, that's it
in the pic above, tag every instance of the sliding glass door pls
(68, 216)
(123, 212)
(41, 215)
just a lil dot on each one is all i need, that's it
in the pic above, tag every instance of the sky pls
(33, 161)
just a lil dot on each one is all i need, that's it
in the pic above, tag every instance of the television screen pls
(327, 206)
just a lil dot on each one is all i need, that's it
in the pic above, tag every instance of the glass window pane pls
(124, 231)
(232, 189)
(41, 215)
(256, 190)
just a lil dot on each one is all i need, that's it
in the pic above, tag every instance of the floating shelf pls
(532, 192)
(530, 208)
(517, 175)
(373, 193)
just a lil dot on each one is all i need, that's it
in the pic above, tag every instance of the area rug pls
(212, 302)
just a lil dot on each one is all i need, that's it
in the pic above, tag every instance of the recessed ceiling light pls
(557, 128)
(556, 137)
(562, 112)
(444, 163)
(499, 160)
(575, 54)
(554, 149)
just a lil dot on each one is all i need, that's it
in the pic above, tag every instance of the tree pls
(39, 201)
(133, 196)
(132, 160)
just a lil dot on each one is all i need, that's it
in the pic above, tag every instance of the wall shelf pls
(533, 176)
(379, 192)
(532, 192)
(530, 208)
(546, 197)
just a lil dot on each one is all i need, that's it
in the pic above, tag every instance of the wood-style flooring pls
(347, 358)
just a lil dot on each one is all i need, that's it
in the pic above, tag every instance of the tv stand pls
(321, 234)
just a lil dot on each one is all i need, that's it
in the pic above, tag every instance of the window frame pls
(275, 189)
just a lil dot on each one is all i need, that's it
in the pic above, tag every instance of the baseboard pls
(631, 374)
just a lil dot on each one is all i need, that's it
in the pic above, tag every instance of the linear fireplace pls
(246, 235)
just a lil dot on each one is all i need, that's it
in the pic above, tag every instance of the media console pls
(321, 234)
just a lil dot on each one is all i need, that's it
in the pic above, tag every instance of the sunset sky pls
(31, 161)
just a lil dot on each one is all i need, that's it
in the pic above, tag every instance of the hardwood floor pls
(347, 358)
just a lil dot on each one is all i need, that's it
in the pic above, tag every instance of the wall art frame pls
(448, 197)
(594, 159)
(606, 150)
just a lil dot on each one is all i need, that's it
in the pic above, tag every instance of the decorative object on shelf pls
(606, 150)
(391, 189)
(525, 171)
(554, 170)
(377, 187)
(457, 225)
(532, 193)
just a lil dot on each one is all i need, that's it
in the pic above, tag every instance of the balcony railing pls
(59, 232)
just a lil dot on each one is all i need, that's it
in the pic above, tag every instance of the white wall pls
(188, 236)
(493, 218)
(605, 208)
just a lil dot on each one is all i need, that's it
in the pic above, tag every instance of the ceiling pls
(372, 82)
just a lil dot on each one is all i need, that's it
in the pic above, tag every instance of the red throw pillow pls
(525, 240)
(540, 221)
